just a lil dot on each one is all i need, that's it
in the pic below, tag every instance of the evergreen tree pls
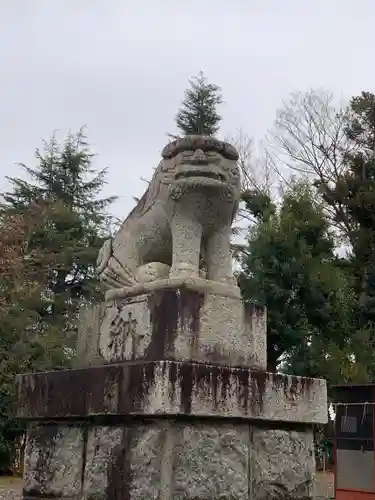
(74, 227)
(24, 346)
(198, 114)
(290, 267)
(51, 228)
(353, 198)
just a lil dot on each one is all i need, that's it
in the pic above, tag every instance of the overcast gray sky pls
(121, 67)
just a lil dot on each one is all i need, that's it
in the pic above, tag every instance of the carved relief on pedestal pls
(124, 329)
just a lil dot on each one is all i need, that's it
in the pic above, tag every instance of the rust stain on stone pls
(292, 385)
(148, 380)
(42, 439)
(225, 377)
(173, 377)
(124, 388)
(258, 388)
(201, 377)
(293, 388)
(135, 385)
(191, 303)
(171, 310)
(207, 379)
(85, 434)
(26, 388)
(96, 386)
(214, 355)
(253, 310)
(186, 379)
(250, 386)
(214, 382)
(306, 384)
(106, 389)
(164, 314)
(242, 384)
(54, 394)
(279, 381)
(119, 470)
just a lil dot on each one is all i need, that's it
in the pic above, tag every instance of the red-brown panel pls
(354, 495)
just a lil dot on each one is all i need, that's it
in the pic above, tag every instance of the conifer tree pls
(51, 228)
(198, 113)
(25, 345)
(289, 266)
(75, 225)
(353, 198)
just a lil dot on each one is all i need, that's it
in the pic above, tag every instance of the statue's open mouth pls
(200, 173)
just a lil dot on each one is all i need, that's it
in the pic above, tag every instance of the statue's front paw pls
(184, 270)
(152, 271)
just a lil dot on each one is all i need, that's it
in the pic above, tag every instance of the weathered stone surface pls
(282, 464)
(125, 329)
(103, 443)
(167, 459)
(256, 329)
(148, 461)
(171, 459)
(172, 388)
(87, 347)
(186, 211)
(211, 461)
(123, 462)
(53, 461)
(184, 324)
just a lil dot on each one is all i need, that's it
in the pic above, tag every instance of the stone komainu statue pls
(183, 219)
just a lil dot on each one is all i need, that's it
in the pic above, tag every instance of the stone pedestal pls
(174, 413)
(181, 319)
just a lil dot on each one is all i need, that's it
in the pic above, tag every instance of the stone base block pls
(169, 460)
(171, 388)
(169, 430)
(185, 322)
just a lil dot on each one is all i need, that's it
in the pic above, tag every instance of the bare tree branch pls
(309, 139)
(309, 135)
(256, 173)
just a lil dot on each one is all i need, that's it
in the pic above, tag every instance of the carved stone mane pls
(150, 196)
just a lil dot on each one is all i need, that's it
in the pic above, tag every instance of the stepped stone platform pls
(191, 430)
